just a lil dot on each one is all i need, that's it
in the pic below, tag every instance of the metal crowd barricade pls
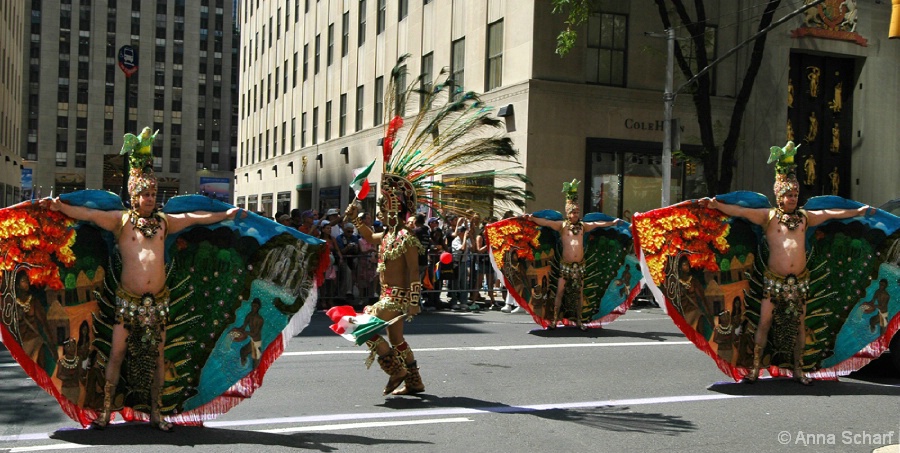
(354, 280)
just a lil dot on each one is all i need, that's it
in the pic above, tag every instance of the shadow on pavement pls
(130, 434)
(787, 387)
(610, 418)
(574, 332)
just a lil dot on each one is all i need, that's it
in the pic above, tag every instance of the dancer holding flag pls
(449, 137)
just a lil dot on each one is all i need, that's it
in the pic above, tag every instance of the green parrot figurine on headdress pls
(140, 147)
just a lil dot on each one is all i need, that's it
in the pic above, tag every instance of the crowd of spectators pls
(455, 270)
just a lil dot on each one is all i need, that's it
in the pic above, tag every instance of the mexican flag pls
(360, 184)
(356, 327)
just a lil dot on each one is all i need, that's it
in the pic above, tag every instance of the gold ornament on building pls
(835, 139)
(835, 181)
(809, 167)
(813, 128)
(813, 77)
(835, 104)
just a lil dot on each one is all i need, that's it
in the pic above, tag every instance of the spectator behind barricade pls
(377, 226)
(438, 246)
(327, 300)
(335, 229)
(367, 276)
(296, 219)
(284, 219)
(477, 267)
(422, 233)
(462, 249)
(308, 223)
(348, 244)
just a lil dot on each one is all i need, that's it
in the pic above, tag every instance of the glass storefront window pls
(626, 177)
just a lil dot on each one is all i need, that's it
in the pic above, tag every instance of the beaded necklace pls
(790, 220)
(148, 226)
(575, 228)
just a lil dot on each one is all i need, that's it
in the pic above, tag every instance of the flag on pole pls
(360, 184)
(356, 327)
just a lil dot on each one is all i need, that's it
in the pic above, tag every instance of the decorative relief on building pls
(831, 19)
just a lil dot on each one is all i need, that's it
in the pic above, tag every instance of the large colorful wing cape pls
(58, 326)
(527, 256)
(852, 307)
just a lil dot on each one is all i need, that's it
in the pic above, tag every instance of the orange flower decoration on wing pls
(664, 232)
(516, 234)
(41, 238)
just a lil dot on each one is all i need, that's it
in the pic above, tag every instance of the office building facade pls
(313, 75)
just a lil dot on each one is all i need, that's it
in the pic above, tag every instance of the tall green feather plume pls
(453, 151)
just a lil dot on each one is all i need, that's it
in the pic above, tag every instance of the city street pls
(495, 383)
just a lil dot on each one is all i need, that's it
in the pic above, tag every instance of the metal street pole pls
(669, 98)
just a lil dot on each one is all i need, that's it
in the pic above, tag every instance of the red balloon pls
(446, 258)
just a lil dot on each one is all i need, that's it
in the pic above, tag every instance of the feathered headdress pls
(430, 161)
(785, 169)
(140, 162)
(571, 191)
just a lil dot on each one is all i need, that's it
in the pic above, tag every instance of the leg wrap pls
(372, 345)
(109, 390)
(753, 375)
(413, 383)
(395, 368)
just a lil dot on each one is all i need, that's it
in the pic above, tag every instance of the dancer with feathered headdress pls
(802, 314)
(453, 132)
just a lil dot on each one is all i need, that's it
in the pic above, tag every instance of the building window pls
(345, 34)
(318, 52)
(379, 101)
(494, 56)
(402, 9)
(294, 72)
(293, 134)
(606, 47)
(275, 142)
(303, 129)
(284, 143)
(381, 18)
(277, 77)
(457, 67)
(342, 121)
(330, 44)
(427, 77)
(315, 126)
(305, 60)
(360, 98)
(361, 27)
(328, 120)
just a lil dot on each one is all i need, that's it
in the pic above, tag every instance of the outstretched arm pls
(555, 224)
(588, 226)
(818, 216)
(178, 222)
(758, 216)
(108, 220)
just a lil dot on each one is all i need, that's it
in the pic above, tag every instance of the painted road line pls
(505, 348)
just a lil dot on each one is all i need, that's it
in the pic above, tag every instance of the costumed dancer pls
(453, 137)
(785, 288)
(786, 280)
(142, 298)
(179, 312)
(571, 264)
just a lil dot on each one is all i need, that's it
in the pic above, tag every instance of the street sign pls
(128, 60)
